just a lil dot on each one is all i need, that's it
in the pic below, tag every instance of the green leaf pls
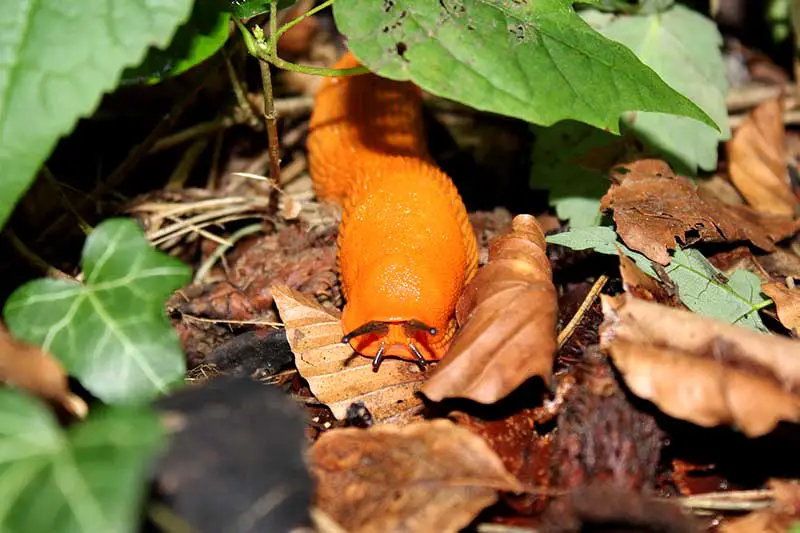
(57, 60)
(683, 47)
(601, 239)
(88, 479)
(701, 286)
(110, 332)
(574, 190)
(705, 290)
(244, 9)
(537, 61)
(205, 32)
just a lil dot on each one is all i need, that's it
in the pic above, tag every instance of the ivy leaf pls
(205, 32)
(110, 332)
(574, 188)
(701, 286)
(244, 9)
(683, 47)
(537, 61)
(58, 59)
(87, 479)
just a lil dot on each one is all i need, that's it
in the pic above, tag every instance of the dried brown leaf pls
(640, 285)
(787, 302)
(653, 209)
(335, 373)
(26, 366)
(427, 476)
(703, 370)
(508, 317)
(778, 518)
(757, 160)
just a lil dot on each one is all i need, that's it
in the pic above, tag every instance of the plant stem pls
(289, 25)
(271, 118)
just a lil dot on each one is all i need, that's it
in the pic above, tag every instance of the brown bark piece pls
(757, 160)
(703, 370)
(508, 316)
(427, 476)
(336, 375)
(654, 209)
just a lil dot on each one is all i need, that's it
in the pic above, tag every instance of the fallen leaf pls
(757, 160)
(787, 302)
(427, 476)
(703, 370)
(337, 375)
(700, 286)
(27, 367)
(508, 318)
(780, 517)
(653, 209)
(641, 285)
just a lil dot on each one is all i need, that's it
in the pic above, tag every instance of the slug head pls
(392, 312)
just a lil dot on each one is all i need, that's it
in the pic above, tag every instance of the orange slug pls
(405, 247)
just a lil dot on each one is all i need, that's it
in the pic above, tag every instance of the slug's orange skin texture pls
(406, 247)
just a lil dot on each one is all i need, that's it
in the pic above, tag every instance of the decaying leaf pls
(653, 209)
(338, 376)
(703, 370)
(787, 301)
(26, 366)
(757, 160)
(508, 316)
(427, 476)
(639, 284)
(777, 518)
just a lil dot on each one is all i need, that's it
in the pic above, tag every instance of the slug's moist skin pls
(406, 247)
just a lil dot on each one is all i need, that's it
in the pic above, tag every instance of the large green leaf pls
(700, 286)
(538, 61)
(88, 479)
(111, 331)
(58, 57)
(199, 38)
(683, 47)
(250, 8)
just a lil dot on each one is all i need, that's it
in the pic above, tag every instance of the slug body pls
(406, 247)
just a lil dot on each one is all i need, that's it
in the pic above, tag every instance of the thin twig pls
(209, 263)
(566, 333)
(31, 257)
(237, 322)
(741, 500)
(53, 182)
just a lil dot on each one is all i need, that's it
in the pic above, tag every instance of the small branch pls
(271, 118)
(51, 180)
(33, 259)
(567, 332)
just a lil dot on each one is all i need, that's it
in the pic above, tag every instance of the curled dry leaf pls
(787, 301)
(508, 316)
(338, 376)
(703, 370)
(26, 366)
(638, 284)
(653, 209)
(778, 518)
(757, 160)
(427, 476)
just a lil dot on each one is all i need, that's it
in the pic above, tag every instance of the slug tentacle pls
(405, 246)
